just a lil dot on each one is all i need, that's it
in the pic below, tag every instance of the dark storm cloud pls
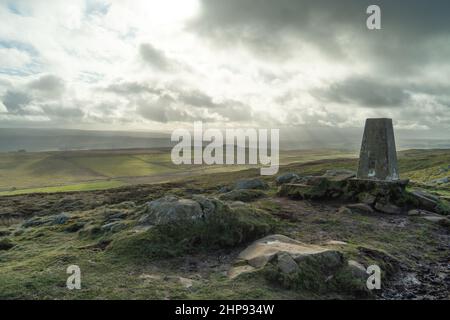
(365, 92)
(191, 106)
(16, 101)
(414, 32)
(165, 103)
(155, 57)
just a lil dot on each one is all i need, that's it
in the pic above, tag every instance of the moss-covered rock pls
(304, 191)
(246, 184)
(443, 207)
(298, 266)
(223, 228)
(242, 195)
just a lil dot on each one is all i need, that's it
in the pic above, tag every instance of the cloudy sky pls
(162, 64)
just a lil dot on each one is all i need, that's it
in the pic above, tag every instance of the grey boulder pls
(251, 184)
(171, 209)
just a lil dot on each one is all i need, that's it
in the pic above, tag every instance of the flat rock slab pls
(262, 251)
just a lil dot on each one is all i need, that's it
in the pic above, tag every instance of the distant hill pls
(32, 140)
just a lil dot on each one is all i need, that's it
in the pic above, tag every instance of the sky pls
(308, 65)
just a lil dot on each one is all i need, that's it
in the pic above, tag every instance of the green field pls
(27, 172)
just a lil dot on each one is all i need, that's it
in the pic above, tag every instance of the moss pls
(225, 229)
(300, 191)
(443, 208)
(315, 278)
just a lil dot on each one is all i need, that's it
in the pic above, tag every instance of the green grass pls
(80, 170)
(89, 186)
(88, 170)
(35, 268)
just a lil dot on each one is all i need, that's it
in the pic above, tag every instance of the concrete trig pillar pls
(378, 156)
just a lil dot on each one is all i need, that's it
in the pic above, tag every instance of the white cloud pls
(145, 50)
(13, 58)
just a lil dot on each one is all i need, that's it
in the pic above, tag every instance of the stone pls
(238, 270)
(426, 201)
(60, 219)
(360, 208)
(414, 212)
(113, 226)
(225, 189)
(251, 184)
(208, 206)
(434, 218)
(357, 270)
(344, 210)
(440, 181)
(336, 243)
(287, 178)
(117, 216)
(378, 156)
(242, 195)
(264, 250)
(303, 191)
(366, 198)
(339, 174)
(286, 263)
(388, 208)
(170, 209)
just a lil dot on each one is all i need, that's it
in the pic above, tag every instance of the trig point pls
(378, 157)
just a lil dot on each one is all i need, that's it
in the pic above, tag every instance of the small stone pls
(360, 208)
(414, 213)
(242, 195)
(207, 205)
(357, 270)
(434, 218)
(367, 198)
(344, 210)
(251, 184)
(339, 174)
(440, 181)
(426, 200)
(336, 242)
(170, 209)
(60, 219)
(286, 264)
(388, 208)
(287, 178)
(113, 226)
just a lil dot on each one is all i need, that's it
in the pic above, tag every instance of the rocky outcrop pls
(242, 195)
(270, 248)
(360, 208)
(296, 265)
(287, 178)
(246, 184)
(171, 209)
